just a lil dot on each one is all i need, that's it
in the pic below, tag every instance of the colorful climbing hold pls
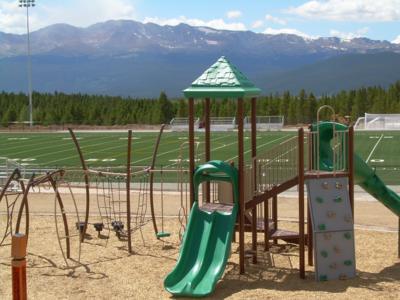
(323, 277)
(324, 253)
(338, 185)
(330, 214)
(348, 262)
(336, 249)
(319, 200)
(347, 218)
(333, 266)
(342, 277)
(327, 236)
(325, 185)
(347, 235)
(322, 227)
(338, 199)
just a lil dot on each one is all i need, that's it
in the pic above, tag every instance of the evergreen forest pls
(60, 108)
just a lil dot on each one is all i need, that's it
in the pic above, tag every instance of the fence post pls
(18, 266)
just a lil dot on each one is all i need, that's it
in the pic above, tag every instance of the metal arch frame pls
(86, 178)
(127, 175)
(151, 169)
(25, 204)
(15, 176)
(24, 207)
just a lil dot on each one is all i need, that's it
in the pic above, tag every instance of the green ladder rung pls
(163, 234)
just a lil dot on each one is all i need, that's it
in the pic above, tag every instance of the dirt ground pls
(107, 271)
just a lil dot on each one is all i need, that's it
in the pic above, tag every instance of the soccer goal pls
(378, 122)
(266, 122)
(182, 124)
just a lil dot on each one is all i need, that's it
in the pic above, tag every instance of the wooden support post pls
(301, 202)
(207, 141)
(18, 266)
(351, 167)
(275, 215)
(309, 225)
(191, 150)
(241, 184)
(266, 225)
(253, 188)
(128, 191)
(237, 217)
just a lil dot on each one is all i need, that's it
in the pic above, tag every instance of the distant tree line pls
(60, 108)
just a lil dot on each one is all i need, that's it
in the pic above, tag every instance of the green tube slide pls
(207, 241)
(364, 175)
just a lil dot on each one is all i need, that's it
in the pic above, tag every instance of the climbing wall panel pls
(333, 228)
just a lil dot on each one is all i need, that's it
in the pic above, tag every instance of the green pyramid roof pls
(221, 80)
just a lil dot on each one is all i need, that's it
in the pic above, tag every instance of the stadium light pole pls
(27, 4)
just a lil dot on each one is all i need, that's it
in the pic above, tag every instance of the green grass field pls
(108, 149)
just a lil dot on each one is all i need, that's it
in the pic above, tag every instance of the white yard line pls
(262, 145)
(59, 144)
(201, 153)
(373, 149)
(90, 152)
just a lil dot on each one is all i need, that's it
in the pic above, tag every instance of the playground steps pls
(211, 207)
(281, 234)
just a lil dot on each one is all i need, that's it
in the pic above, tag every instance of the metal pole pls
(29, 68)
(27, 4)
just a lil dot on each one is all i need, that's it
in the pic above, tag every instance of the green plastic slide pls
(207, 241)
(364, 175)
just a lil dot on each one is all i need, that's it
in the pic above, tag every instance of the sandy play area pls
(107, 271)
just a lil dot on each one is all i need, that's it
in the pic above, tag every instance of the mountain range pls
(134, 59)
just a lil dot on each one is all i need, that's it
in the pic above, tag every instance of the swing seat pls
(162, 234)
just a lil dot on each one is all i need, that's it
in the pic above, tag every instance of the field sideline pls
(108, 149)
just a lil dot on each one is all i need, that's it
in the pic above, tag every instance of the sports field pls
(108, 149)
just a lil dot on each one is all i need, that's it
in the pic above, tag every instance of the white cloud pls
(345, 10)
(349, 35)
(13, 18)
(396, 40)
(215, 23)
(257, 24)
(233, 14)
(276, 20)
(294, 31)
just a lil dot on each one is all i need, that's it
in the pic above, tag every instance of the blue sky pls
(342, 18)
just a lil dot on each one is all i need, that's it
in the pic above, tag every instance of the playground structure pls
(125, 201)
(14, 196)
(327, 160)
(116, 193)
(322, 158)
